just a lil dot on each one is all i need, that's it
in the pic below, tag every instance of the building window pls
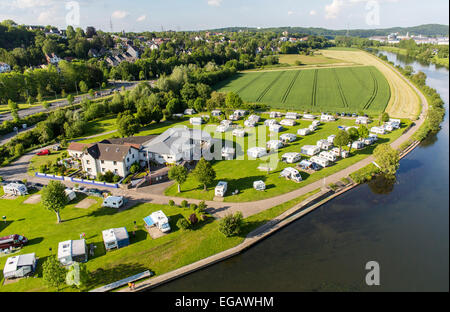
(87, 162)
(89, 169)
(116, 171)
(103, 170)
(128, 159)
(115, 163)
(133, 156)
(103, 161)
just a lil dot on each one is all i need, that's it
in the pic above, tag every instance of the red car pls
(12, 241)
(43, 152)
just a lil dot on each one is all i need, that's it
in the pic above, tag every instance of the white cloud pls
(312, 12)
(333, 9)
(120, 14)
(291, 12)
(214, 2)
(141, 18)
(29, 4)
(45, 17)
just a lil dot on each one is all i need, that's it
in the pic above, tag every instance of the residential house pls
(4, 68)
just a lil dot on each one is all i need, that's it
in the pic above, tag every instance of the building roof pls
(115, 234)
(111, 152)
(78, 147)
(14, 263)
(135, 141)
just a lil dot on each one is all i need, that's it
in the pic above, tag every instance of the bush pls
(193, 207)
(171, 203)
(230, 225)
(202, 206)
(183, 224)
(184, 203)
(135, 168)
(116, 179)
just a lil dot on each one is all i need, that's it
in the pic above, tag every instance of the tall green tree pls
(342, 139)
(231, 225)
(384, 117)
(54, 197)
(53, 274)
(363, 132)
(179, 174)
(387, 158)
(353, 135)
(127, 125)
(204, 173)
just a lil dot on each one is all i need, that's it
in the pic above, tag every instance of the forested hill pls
(426, 30)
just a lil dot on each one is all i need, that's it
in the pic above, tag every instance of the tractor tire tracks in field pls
(249, 83)
(375, 91)
(341, 91)
(260, 97)
(288, 90)
(314, 89)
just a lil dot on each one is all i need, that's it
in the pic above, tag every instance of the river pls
(404, 227)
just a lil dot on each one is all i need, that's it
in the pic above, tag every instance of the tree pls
(200, 104)
(230, 225)
(233, 100)
(183, 224)
(45, 104)
(193, 219)
(353, 135)
(53, 274)
(83, 86)
(204, 173)
(127, 125)
(342, 139)
(70, 99)
(12, 106)
(54, 197)
(179, 174)
(363, 132)
(387, 158)
(384, 117)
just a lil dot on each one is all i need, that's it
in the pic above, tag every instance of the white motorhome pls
(15, 189)
(328, 155)
(288, 122)
(395, 123)
(325, 117)
(196, 121)
(269, 122)
(362, 120)
(222, 128)
(240, 112)
(19, 266)
(323, 162)
(113, 202)
(309, 116)
(274, 144)
(357, 145)
(310, 150)
(324, 144)
(259, 185)
(291, 158)
(239, 132)
(161, 221)
(71, 195)
(369, 141)
(250, 123)
(304, 131)
(291, 174)
(312, 128)
(378, 130)
(226, 122)
(331, 138)
(316, 123)
(189, 111)
(228, 152)
(221, 189)
(388, 127)
(374, 137)
(275, 114)
(291, 115)
(288, 137)
(342, 153)
(256, 152)
(72, 251)
(275, 128)
(216, 113)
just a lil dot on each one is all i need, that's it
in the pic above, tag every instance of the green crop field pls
(348, 89)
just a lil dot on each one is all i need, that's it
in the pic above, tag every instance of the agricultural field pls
(404, 101)
(291, 59)
(340, 89)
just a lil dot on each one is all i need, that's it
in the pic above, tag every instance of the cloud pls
(120, 14)
(312, 12)
(333, 9)
(291, 12)
(141, 18)
(216, 3)
(29, 4)
(45, 17)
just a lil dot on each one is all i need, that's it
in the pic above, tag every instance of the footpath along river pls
(403, 226)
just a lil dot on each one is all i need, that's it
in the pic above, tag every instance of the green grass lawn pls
(37, 161)
(161, 255)
(240, 174)
(348, 89)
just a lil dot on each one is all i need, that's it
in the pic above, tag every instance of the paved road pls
(54, 105)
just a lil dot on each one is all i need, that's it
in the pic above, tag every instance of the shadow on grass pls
(35, 241)
(139, 235)
(4, 225)
(101, 277)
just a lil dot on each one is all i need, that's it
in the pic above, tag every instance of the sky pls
(155, 15)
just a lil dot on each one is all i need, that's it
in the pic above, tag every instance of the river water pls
(403, 226)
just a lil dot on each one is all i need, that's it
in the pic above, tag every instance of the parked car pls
(14, 241)
(43, 152)
(94, 192)
(80, 189)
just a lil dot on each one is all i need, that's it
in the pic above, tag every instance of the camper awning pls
(149, 221)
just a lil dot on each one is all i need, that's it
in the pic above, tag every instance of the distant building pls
(4, 68)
